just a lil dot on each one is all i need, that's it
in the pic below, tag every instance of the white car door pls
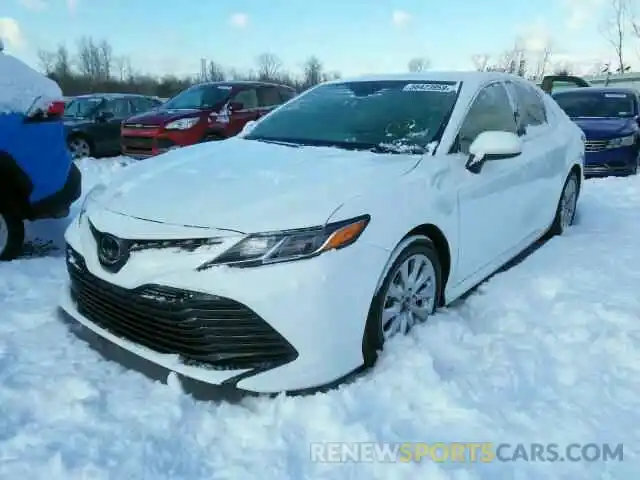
(546, 162)
(490, 202)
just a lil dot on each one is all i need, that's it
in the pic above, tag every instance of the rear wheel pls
(11, 236)
(409, 295)
(566, 211)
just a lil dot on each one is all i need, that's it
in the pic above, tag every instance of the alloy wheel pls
(410, 296)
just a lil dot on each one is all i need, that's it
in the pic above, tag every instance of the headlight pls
(88, 198)
(288, 245)
(182, 124)
(622, 141)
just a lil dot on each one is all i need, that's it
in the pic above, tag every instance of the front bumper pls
(318, 307)
(58, 204)
(611, 162)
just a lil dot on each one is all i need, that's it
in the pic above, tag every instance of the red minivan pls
(204, 112)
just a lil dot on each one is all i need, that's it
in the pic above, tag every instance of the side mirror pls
(104, 116)
(235, 106)
(492, 145)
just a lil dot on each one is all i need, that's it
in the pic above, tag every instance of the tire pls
(80, 147)
(566, 213)
(375, 333)
(11, 236)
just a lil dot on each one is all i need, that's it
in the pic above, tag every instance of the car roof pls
(597, 90)
(113, 95)
(245, 83)
(471, 78)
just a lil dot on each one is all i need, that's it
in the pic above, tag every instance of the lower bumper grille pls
(138, 144)
(204, 330)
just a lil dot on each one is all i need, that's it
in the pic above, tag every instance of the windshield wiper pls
(276, 142)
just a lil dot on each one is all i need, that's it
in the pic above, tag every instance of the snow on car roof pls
(21, 85)
(468, 77)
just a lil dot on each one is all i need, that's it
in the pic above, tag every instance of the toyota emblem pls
(110, 250)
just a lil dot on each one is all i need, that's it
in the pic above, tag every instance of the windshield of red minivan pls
(198, 98)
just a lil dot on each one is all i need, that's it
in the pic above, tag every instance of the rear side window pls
(268, 97)
(531, 109)
(490, 111)
(286, 94)
(247, 98)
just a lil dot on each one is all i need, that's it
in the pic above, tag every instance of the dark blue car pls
(609, 118)
(37, 176)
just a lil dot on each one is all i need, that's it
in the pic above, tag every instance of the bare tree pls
(544, 57)
(105, 54)
(615, 29)
(46, 61)
(94, 60)
(563, 68)
(312, 72)
(269, 66)
(418, 64)
(511, 60)
(215, 72)
(480, 61)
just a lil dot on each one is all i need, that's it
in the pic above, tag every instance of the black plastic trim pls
(15, 184)
(58, 204)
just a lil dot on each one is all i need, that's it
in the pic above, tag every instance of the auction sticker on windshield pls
(431, 87)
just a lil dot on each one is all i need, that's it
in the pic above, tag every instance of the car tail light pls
(41, 109)
(56, 109)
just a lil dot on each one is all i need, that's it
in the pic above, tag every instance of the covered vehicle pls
(285, 258)
(37, 176)
(609, 118)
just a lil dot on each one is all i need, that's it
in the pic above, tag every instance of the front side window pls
(82, 107)
(598, 104)
(491, 111)
(531, 109)
(120, 107)
(395, 116)
(200, 97)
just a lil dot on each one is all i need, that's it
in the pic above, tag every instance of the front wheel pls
(566, 211)
(79, 147)
(11, 236)
(409, 294)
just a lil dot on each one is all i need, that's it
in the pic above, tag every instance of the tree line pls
(93, 67)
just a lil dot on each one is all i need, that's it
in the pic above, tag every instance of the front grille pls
(140, 144)
(204, 330)
(595, 145)
(138, 126)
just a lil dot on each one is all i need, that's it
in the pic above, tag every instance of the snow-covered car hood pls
(20, 86)
(248, 186)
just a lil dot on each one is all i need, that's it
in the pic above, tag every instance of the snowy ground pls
(548, 351)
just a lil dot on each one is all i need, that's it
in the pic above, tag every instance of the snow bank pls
(20, 85)
(548, 351)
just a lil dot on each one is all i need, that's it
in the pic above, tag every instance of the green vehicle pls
(553, 83)
(92, 122)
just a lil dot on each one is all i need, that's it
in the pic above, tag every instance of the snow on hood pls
(20, 86)
(249, 186)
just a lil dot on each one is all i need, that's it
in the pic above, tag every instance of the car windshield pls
(82, 107)
(385, 116)
(596, 104)
(198, 98)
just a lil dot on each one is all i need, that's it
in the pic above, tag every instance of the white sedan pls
(284, 259)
